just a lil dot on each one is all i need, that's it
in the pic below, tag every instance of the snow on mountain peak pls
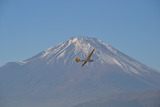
(78, 43)
(80, 47)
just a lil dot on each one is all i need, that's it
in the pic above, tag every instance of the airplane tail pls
(77, 59)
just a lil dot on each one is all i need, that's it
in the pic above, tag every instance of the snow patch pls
(74, 40)
(117, 62)
(61, 55)
(22, 62)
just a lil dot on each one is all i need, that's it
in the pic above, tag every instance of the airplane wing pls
(84, 63)
(90, 54)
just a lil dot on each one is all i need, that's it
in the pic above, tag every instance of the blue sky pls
(28, 27)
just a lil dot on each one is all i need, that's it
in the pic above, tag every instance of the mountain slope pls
(52, 77)
(146, 99)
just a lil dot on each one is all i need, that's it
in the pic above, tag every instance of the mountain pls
(53, 78)
(145, 99)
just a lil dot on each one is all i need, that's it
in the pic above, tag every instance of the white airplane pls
(87, 60)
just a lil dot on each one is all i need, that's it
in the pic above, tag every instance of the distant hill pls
(52, 78)
(146, 99)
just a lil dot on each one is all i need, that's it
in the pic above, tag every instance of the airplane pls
(86, 60)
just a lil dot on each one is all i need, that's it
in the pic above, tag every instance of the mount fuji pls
(52, 78)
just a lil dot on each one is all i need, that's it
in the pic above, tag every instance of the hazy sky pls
(28, 27)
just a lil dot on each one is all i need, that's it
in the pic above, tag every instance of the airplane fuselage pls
(87, 60)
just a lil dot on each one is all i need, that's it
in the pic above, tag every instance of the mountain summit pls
(65, 53)
(53, 78)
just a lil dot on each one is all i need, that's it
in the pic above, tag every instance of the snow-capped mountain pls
(53, 78)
